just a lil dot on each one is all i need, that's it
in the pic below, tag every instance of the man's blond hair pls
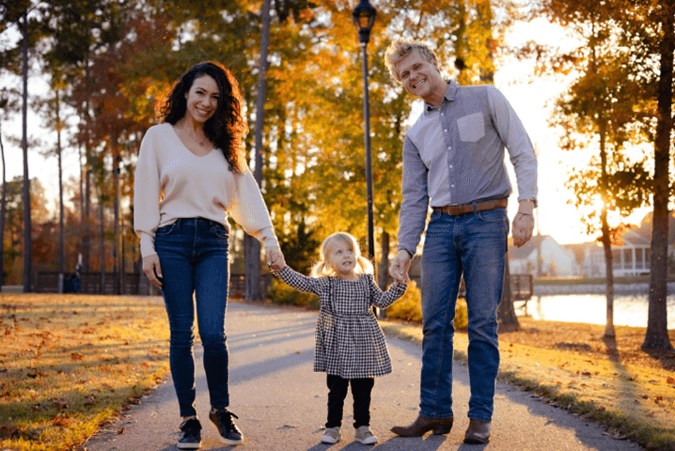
(401, 48)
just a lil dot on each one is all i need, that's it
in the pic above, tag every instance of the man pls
(453, 161)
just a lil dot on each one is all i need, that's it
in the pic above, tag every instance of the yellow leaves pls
(56, 367)
(61, 421)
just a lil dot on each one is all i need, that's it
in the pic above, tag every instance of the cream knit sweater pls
(172, 182)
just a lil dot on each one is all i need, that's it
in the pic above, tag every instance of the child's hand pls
(406, 279)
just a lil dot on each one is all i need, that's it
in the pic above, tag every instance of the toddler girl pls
(350, 346)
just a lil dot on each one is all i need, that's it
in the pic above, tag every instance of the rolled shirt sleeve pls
(517, 142)
(249, 210)
(146, 195)
(413, 213)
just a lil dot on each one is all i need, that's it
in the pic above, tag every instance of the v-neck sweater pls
(172, 182)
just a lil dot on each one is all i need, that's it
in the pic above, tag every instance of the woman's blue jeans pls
(193, 256)
(473, 245)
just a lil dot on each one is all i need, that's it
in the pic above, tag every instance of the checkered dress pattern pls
(349, 341)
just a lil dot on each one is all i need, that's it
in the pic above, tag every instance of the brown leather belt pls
(470, 208)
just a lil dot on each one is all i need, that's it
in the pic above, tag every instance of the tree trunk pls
(116, 216)
(506, 313)
(609, 275)
(383, 267)
(485, 15)
(604, 227)
(62, 252)
(252, 246)
(27, 225)
(656, 336)
(3, 207)
(383, 270)
(252, 269)
(461, 44)
(101, 250)
(86, 222)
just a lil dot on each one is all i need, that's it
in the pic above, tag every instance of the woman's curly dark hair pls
(227, 127)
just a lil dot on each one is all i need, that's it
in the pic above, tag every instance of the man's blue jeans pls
(473, 245)
(193, 257)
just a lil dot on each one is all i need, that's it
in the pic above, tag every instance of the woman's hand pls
(153, 270)
(275, 259)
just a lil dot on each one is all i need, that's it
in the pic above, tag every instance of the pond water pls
(629, 310)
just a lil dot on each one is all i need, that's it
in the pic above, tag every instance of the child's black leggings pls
(337, 392)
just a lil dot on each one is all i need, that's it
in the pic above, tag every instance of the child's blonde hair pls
(323, 269)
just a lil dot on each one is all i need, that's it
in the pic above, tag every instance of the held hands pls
(275, 259)
(153, 270)
(399, 266)
(523, 223)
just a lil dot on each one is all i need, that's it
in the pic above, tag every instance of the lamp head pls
(364, 17)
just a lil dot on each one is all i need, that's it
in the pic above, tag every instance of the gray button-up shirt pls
(454, 155)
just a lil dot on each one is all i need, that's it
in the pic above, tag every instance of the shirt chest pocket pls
(471, 127)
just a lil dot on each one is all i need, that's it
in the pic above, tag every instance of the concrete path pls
(281, 402)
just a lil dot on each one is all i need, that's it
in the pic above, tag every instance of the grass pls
(69, 363)
(612, 382)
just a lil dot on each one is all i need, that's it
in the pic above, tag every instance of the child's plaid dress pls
(349, 341)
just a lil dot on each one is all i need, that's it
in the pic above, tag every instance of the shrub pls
(461, 315)
(280, 293)
(409, 308)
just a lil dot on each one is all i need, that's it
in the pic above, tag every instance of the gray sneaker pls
(331, 435)
(365, 436)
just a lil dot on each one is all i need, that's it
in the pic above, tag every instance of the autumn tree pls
(660, 27)
(15, 229)
(5, 107)
(621, 99)
(595, 115)
(25, 16)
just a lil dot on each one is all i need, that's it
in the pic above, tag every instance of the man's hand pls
(153, 270)
(399, 266)
(275, 259)
(523, 223)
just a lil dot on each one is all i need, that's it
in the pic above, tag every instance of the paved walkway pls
(281, 403)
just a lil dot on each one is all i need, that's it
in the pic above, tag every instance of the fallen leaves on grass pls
(53, 388)
(572, 366)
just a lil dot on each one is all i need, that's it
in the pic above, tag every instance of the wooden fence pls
(131, 283)
(521, 286)
(88, 282)
(136, 283)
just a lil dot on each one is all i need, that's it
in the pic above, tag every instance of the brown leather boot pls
(478, 432)
(422, 425)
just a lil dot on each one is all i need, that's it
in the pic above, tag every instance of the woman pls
(191, 173)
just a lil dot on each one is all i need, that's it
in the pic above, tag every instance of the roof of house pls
(526, 249)
(637, 237)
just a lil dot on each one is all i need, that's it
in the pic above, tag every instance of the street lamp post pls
(364, 18)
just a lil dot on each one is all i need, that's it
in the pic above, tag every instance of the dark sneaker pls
(229, 432)
(190, 434)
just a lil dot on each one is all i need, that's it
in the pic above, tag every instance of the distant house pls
(590, 260)
(542, 256)
(630, 258)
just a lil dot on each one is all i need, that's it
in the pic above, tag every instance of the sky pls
(530, 98)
